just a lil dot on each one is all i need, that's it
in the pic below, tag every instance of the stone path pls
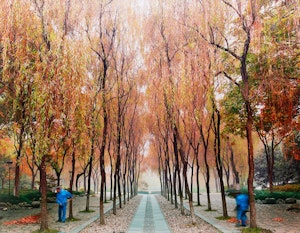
(148, 217)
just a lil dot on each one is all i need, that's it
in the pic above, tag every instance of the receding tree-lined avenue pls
(95, 95)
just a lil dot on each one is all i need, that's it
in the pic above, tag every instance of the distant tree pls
(285, 169)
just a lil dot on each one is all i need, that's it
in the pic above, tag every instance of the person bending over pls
(62, 197)
(242, 203)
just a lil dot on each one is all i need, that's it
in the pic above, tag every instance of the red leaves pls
(232, 220)
(26, 220)
(277, 219)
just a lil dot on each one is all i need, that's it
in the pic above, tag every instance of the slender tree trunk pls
(77, 179)
(102, 162)
(192, 179)
(166, 183)
(198, 183)
(33, 175)
(87, 207)
(19, 151)
(253, 223)
(175, 189)
(217, 150)
(170, 184)
(71, 185)
(190, 195)
(115, 194)
(119, 190)
(184, 160)
(111, 185)
(234, 170)
(43, 190)
(177, 169)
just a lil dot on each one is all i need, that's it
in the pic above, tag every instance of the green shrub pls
(233, 192)
(11, 199)
(263, 194)
(74, 192)
(25, 196)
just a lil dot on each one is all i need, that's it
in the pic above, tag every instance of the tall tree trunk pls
(115, 194)
(170, 184)
(88, 193)
(177, 168)
(232, 162)
(218, 159)
(192, 179)
(207, 180)
(207, 172)
(249, 125)
(102, 162)
(111, 174)
(184, 160)
(43, 190)
(198, 183)
(71, 184)
(77, 179)
(175, 188)
(18, 162)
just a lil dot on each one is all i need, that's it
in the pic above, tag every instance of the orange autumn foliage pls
(232, 220)
(32, 219)
(277, 219)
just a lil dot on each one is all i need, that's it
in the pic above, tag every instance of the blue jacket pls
(63, 196)
(242, 201)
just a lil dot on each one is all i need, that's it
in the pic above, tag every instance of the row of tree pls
(80, 81)
(69, 97)
(222, 70)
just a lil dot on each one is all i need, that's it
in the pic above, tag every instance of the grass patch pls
(46, 231)
(73, 219)
(210, 210)
(255, 230)
(86, 211)
(223, 218)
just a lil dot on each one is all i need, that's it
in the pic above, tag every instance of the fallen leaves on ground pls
(26, 220)
(232, 220)
(277, 219)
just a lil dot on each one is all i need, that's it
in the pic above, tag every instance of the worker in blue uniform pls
(62, 197)
(242, 203)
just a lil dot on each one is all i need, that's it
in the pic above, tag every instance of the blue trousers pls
(241, 216)
(62, 209)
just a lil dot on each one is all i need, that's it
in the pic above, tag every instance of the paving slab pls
(149, 217)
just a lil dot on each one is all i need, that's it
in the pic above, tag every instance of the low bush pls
(263, 194)
(25, 196)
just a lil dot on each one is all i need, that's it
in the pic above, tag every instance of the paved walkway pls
(148, 217)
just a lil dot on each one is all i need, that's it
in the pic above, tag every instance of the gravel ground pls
(178, 223)
(182, 223)
(118, 223)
